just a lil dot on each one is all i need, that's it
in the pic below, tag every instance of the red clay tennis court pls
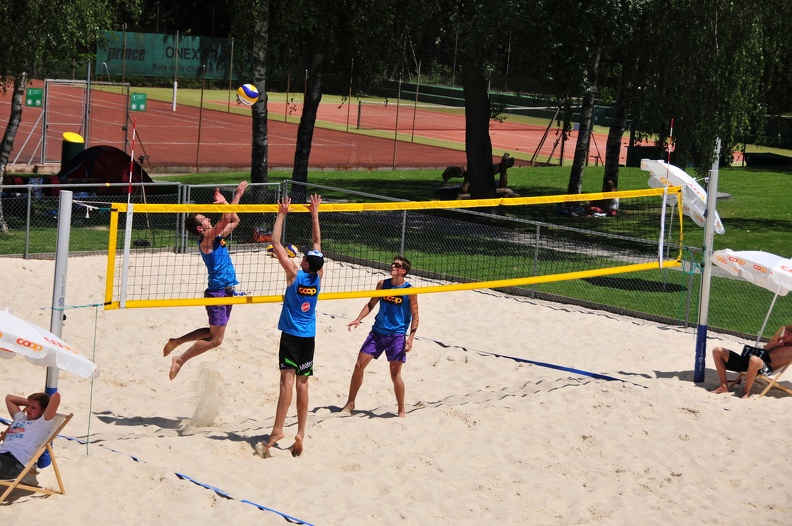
(194, 139)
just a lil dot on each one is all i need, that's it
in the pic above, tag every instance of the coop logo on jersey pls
(306, 291)
(396, 300)
(30, 345)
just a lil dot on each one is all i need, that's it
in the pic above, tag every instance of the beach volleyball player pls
(222, 279)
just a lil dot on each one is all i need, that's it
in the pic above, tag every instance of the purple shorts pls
(218, 314)
(392, 344)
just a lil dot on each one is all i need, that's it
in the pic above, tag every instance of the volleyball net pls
(452, 245)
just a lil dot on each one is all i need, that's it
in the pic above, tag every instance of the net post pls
(127, 245)
(662, 227)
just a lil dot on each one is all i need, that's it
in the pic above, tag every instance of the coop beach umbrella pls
(694, 197)
(763, 269)
(41, 347)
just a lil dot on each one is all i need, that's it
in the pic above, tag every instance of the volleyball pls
(291, 251)
(247, 94)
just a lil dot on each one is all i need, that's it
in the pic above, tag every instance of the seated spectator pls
(779, 353)
(28, 429)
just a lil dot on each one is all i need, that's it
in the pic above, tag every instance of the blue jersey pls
(394, 314)
(298, 316)
(218, 263)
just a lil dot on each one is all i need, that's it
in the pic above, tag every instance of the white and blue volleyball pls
(247, 94)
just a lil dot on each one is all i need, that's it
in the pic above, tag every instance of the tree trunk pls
(7, 146)
(478, 146)
(305, 130)
(615, 136)
(259, 162)
(586, 121)
(259, 158)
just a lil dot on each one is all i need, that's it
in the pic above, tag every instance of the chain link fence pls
(189, 122)
(669, 296)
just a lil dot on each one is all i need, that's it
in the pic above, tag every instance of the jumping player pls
(222, 279)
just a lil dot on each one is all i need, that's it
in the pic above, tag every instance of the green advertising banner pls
(157, 55)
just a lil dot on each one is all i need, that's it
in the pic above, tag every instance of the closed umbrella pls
(694, 197)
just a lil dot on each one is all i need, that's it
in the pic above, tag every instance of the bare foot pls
(175, 366)
(347, 409)
(263, 450)
(723, 388)
(402, 414)
(297, 447)
(169, 347)
(746, 395)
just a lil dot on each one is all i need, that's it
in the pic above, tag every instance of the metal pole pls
(59, 286)
(87, 108)
(200, 116)
(175, 71)
(349, 100)
(415, 104)
(26, 253)
(709, 230)
(396, 127)
(230, 74)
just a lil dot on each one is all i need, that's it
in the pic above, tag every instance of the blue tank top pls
(394, 314)
(218, 263)
(298, 316)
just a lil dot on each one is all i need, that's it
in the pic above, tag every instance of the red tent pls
(103, 164)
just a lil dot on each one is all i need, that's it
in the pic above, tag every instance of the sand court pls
(518, 412)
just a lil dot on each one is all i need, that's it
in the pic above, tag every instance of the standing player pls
(389, 333)
(297, 325)
(222, 278)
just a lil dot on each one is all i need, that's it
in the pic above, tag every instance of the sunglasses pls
(397, 265)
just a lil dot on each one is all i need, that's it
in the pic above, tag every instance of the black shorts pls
(10, 467)
(739, 364)
(296, 353)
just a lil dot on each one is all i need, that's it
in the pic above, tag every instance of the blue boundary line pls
(596, 376)
(182, 476)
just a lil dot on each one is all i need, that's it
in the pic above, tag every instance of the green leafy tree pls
(479, 32)
(346, 38)
(705, 73)
(39, 32)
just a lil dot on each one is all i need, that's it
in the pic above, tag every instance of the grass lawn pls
(754, 216)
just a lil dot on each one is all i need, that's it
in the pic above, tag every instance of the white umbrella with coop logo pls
(41, 347)
(763, 269)
(694, 197)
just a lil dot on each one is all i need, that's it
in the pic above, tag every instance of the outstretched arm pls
(316, 235)
(230, 220)
(277, 248)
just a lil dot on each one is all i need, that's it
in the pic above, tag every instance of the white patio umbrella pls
(763, 269)
(41, 347)
(694, 197)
